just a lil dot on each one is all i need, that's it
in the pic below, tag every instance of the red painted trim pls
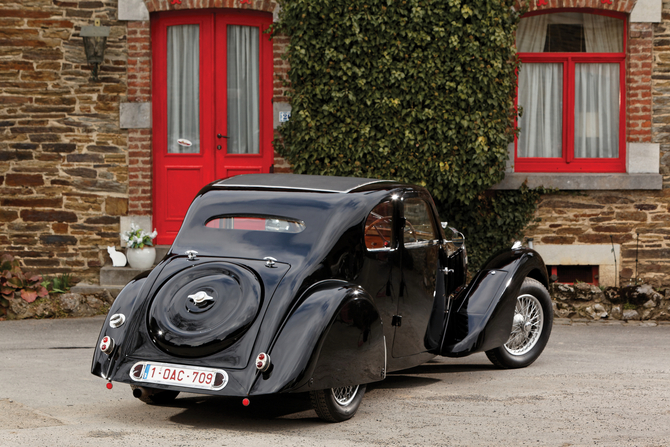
(567, 162)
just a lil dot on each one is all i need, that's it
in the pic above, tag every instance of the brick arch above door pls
(177, 5)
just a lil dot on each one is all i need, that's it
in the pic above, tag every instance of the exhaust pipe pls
(140, 392)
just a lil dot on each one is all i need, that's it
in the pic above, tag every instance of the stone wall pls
(638, 221)
(63, 159)
(633, 302)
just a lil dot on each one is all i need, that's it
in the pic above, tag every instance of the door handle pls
(220, 136)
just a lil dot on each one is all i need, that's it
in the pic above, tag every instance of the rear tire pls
(533, 319)
(153, 396)
(337, 404)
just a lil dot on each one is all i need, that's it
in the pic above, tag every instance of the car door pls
(380, 273)
(419, 250)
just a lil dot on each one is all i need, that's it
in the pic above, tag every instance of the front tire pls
(337, 404)
(533, 319)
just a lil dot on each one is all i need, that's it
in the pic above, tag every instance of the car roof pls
(313, 183)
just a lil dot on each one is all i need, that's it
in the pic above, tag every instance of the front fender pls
(124, 302)
(333, 338)
(483, 312)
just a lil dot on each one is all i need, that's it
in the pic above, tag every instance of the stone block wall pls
(63, 159)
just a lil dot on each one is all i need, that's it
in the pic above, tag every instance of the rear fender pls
(482, 313)
(333, 338)
(123, 304)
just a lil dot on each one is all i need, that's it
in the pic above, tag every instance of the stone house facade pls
(81, 159)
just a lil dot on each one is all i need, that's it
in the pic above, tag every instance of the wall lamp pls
(95, 40)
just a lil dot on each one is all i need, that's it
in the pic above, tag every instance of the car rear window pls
(256, 223)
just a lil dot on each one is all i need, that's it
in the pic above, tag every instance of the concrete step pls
(117, 276)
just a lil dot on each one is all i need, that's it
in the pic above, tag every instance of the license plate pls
(180, 375)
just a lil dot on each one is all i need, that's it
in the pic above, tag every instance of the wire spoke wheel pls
(531, 327)
(344, 395)
(337, 404)
(527, 326)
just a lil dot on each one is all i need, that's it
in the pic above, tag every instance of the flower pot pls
(141, 258)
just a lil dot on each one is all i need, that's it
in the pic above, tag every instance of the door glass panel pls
(243, 101)
(183, 76)
(418, 223)
(597, 110)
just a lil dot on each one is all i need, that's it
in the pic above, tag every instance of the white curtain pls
(183, 79)
(532, 33)
(243, 94)
(596, 110)
(541, 96)
(603, 34)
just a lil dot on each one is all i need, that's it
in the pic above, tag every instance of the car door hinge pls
(396, 320)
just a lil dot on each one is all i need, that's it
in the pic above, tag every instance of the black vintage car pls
(289, 283)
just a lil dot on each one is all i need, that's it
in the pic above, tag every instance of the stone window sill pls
(514, 180)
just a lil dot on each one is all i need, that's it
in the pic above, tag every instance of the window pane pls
(418, 222)
(183, 79)
(243, 101)
(378, 227)
(570, 32)
(256, 223)
(541, 97)
(596, 110)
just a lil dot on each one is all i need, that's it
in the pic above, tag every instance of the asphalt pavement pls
(594, 385)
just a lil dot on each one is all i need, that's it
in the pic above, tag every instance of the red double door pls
(212, 105)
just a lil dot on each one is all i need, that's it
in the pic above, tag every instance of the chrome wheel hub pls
(527, 325)
(344, 395)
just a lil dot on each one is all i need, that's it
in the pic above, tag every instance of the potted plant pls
(140, 250)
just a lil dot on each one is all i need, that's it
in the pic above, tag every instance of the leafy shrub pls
(14, 282)
(420, 91)
(58, 284)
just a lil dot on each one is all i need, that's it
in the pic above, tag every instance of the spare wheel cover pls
(204, 309)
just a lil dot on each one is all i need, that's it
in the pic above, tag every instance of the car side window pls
(378, 227)
(419, 224)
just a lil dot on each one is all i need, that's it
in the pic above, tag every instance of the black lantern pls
(95, 40)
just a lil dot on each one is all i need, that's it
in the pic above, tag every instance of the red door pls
(212, 109)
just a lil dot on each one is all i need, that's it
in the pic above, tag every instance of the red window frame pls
(567, 162)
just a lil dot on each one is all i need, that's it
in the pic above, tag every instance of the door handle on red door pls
(220, 136)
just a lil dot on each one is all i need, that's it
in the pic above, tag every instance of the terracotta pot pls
(141, 258)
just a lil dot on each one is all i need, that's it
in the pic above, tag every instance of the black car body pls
(289, 283)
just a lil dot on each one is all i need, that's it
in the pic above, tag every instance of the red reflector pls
(261, 356)
(245, 402)
(259, 365)
(109, 385)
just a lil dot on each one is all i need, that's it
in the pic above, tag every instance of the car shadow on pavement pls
(274, 411)
(283, 411)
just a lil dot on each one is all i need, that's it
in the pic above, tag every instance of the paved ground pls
(594, 385)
